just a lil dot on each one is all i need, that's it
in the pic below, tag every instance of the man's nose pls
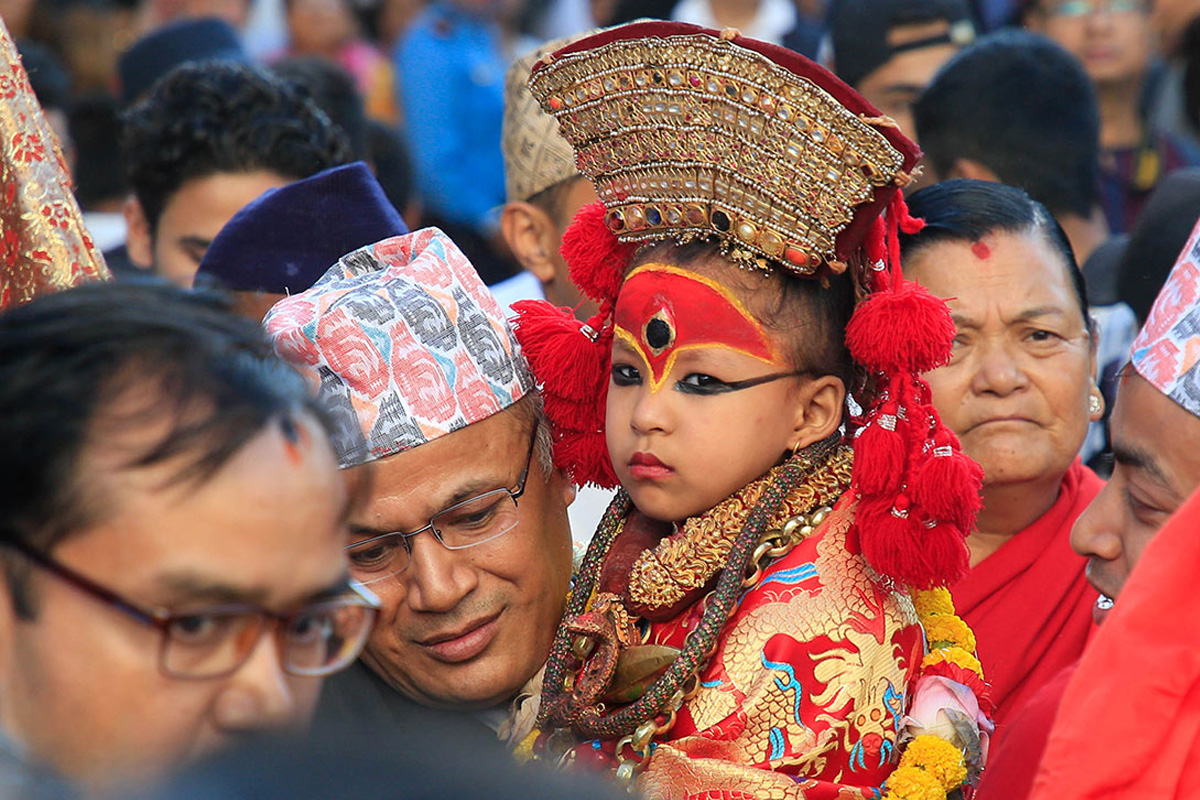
(261, 694)
(1096, 533)
(437, 579)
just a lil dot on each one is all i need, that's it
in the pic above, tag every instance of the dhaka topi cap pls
(536, 156)
(859, 31)
(156, 54)
(286, 239)
(44, 245)
(1167, 350)
(406, 344)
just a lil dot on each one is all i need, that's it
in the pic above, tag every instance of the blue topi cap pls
(154, 55)
(285, 240)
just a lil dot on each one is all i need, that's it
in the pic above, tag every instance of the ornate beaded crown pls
(687, 133)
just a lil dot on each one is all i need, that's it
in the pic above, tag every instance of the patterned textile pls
(536, 156)
(1167, 351)
(406, 343)
(43, 243)
(804, 695)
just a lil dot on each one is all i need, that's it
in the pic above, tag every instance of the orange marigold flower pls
(933, 601)
(913, 783)
(954, 655)
(947, 630)
(939, 758)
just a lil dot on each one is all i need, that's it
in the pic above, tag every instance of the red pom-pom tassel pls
(570, 361)
(903, 330)
(879, 454)
(596, 258)
(898, 544)
(947, 485)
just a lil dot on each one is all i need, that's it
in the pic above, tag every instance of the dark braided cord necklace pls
(718, 605)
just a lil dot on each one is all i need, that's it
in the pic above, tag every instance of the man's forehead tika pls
(663, 311)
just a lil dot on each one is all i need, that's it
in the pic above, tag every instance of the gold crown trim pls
(690, 135)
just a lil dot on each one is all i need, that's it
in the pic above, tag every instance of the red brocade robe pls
(807, 688)
(1029, 603)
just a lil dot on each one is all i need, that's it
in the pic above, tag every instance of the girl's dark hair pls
(967, 210)
(810, 314)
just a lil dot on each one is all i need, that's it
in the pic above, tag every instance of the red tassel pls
(897, 544)
(947, 485)
(570, 361)
(879, 451)
(903, 330)
(596, 258)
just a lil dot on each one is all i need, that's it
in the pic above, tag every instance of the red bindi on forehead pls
(296, 441)
(981, 251)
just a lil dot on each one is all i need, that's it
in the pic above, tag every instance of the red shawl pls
(1029, 603)
(1129, 724)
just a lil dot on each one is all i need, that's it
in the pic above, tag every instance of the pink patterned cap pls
(405, 342)
(1167, 350)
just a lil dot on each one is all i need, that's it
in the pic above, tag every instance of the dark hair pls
(49, 79)
(96, 130)
(1023, 107)
(333, 90)
(71, 366)
(204, 119)
(966, 211)
(551, 199)
(810, 314)
(388, 155)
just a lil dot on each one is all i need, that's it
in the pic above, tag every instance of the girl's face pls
(689, 419)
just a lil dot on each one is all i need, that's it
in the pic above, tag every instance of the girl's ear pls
(818, 408)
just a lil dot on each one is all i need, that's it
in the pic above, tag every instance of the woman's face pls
(1016, 388)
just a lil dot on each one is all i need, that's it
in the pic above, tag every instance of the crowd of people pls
(706, 399)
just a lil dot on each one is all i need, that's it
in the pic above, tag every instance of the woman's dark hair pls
(810, 314)
(967, 210)
(109, 357)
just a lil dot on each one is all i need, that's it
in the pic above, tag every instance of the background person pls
(164, 467)
(436, 404)
(1019, 393)
(247, 132)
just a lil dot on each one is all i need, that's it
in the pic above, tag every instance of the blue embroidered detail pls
(792, 684)
(711, 684)
(790, 577)
(777, 749)
(895, 704)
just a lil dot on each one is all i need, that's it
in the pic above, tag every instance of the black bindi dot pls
(658, 334)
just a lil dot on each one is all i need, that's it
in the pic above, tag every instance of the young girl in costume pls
(758, 614)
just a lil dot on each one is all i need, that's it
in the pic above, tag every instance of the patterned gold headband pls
(692, 134)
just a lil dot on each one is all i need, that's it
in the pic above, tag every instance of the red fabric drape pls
(1029, 603)
(1129, 723)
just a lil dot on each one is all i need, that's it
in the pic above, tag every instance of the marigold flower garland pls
(931, 766)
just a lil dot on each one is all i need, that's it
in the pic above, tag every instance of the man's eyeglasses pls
(1072, 9)
(213, 642)
(472, 522)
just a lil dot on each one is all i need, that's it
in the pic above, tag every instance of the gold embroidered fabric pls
(691, 135)
(43, 244)
(662, 576)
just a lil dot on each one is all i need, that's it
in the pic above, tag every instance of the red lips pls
(646, 466)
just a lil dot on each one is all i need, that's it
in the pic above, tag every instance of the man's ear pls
(818, 410)
(139, 240)
(966, 168)
(531, 235)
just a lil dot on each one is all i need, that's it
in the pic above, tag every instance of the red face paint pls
(663, 310)
(981, 250)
